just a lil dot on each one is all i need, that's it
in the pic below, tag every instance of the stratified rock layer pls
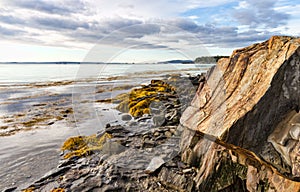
(244, 122)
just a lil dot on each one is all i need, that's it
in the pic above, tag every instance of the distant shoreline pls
(198, 60)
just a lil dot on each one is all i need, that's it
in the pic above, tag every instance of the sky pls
(138, 30)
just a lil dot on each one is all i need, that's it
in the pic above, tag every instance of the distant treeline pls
(209, 59)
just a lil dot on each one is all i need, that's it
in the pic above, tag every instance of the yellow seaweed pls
(84, 145)
(137, 102)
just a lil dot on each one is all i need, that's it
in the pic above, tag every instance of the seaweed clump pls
(58, 190)
(84, 145)
(31, 189)
(138, 101)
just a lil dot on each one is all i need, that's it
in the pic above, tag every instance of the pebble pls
(168, 134)
(126, 117)
(111, 148)
(156, 134)
(155, 163)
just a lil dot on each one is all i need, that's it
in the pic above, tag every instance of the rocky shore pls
(140, 155)
(236, 129)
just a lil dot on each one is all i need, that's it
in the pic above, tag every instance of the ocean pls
(29, 73)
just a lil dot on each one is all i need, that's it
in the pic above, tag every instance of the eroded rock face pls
(248, 112)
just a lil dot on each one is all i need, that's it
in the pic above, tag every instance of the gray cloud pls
(60, 8)
(117, 23)
(7, 32)
(219, 36)
(185, 24)
(58, 23)
(9, 19)
(59, 18)
(129, 32)
(260, 13)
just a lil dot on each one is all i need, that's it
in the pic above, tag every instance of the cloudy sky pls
(138, 30)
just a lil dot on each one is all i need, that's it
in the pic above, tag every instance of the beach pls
(39, 110)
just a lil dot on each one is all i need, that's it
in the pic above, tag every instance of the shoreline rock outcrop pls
(240, 133)
(244, 121)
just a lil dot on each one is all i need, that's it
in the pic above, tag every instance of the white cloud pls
(145, 9)
(82, 23)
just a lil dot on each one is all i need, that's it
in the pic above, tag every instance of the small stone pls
(168, 134)
(172, 130)
(158, 120)
(126, 117)
(155, 164)
(156, 134)
(112, 148)
(187, 170)
(148, 143)
(116, 129)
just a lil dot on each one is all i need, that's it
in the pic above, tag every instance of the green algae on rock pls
(84, 145)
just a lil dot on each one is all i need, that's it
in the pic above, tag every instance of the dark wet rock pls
(111, 148)
(10, 189)
(158, 120)
(126, 117)
(116, 129)
(67, 162)
(133, 123)
(148, 143)
(115, 166)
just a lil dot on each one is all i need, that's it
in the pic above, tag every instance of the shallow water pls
(31, 151)
(29, 73)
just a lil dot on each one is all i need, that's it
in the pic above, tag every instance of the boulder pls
(244, 120)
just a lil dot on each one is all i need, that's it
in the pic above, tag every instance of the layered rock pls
(243, 126)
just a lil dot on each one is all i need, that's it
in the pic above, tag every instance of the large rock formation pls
(242, 129)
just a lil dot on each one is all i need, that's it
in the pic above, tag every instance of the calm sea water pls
(28, 73)
(28, 155)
